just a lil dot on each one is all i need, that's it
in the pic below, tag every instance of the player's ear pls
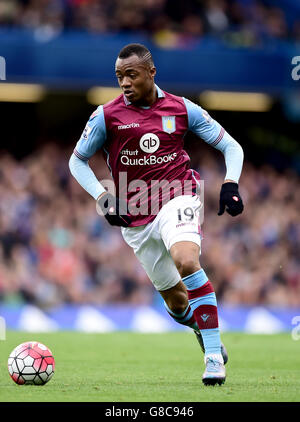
(152, 71)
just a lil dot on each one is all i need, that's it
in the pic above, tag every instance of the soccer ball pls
(31, 363)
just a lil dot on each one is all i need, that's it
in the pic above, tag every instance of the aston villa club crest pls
(168, 124)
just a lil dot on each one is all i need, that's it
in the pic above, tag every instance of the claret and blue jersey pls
(175, 115)
(147, 143)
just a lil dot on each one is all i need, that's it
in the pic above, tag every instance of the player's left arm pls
(208, 129)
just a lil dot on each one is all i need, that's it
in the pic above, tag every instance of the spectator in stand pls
(170, 23)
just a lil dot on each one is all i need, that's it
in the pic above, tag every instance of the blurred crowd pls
(55, 248)
(170, 23)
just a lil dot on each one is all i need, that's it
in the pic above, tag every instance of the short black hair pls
(139, 50)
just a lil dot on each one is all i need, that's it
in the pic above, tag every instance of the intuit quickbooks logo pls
(149, 142)
(2, 69)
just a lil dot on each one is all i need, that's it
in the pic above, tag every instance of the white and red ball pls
(31, 363)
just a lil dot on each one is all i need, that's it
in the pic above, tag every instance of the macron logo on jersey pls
(131, 125)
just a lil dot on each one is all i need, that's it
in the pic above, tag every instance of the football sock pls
(185, 318)
(202, 300)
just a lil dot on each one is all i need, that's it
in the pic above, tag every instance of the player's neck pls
(149, 99)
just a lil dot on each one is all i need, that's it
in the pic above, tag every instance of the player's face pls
(135, 78)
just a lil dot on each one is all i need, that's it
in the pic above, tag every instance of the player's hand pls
(114, 210)
(230, 198)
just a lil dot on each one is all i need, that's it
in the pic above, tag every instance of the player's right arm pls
(93, 137)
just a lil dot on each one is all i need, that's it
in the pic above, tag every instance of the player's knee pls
(187, 266)
(178, 303)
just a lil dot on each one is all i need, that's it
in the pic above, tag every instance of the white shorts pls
(177, 221)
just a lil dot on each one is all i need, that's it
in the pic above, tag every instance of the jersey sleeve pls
(202, 124)
(85, 176)
(208, 129)
(93, 135)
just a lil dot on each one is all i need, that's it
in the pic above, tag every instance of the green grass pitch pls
(122, 366)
